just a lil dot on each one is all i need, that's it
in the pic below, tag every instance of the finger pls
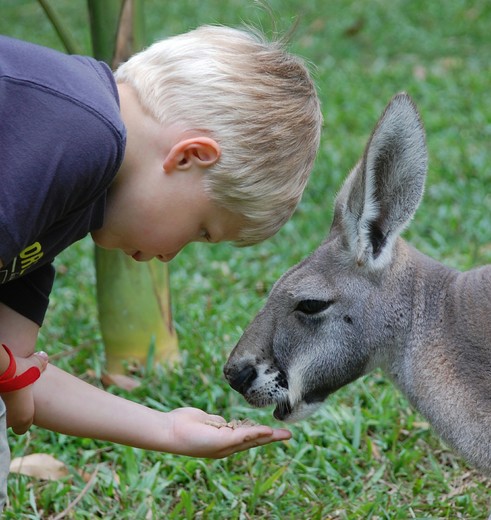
(259, 436)
(248, 444)
(41, 358)
(268, 434)
(38, 360)
(20, 430)
(281, 434)
(261, 430)
(216, 418)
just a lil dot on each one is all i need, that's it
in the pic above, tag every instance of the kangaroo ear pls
(382, 193)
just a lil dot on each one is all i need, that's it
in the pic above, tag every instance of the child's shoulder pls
(31, 71)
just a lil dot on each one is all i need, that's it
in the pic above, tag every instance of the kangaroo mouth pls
(287, 412)
(283, 410)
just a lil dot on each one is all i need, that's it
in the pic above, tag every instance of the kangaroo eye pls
(312, 306)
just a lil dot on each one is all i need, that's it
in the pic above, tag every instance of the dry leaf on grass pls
(39, 465)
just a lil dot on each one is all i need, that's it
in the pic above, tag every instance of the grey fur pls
(365, 298)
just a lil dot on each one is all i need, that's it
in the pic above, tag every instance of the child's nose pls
(168, 257)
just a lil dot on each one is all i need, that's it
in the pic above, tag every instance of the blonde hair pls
(254, 98)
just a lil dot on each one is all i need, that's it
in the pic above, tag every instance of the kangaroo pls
(366, 298)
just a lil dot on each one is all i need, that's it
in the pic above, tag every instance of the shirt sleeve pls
(29, 295)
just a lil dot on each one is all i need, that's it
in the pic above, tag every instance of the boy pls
(206, 136)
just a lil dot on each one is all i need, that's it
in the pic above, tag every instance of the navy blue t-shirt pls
(62, 141)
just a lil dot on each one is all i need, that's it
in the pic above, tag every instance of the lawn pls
(366, 454)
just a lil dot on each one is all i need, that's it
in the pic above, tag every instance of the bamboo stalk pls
(134, 311)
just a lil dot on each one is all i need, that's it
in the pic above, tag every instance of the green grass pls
(366, 454)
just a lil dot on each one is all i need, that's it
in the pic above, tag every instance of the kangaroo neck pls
(423, 287)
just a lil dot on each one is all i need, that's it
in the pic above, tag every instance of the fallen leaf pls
(39, 465)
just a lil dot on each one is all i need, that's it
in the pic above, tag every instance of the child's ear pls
(202, 151)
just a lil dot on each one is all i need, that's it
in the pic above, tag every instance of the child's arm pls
(66, 404)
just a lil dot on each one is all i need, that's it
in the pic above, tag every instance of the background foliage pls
(366, 454)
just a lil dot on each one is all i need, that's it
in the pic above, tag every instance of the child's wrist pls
(9, 382)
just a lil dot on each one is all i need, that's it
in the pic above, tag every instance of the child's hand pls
(20, 404)
(195, 436)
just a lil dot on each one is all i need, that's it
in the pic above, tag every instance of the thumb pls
(38, 359)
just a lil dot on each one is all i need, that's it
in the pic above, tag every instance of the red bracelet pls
(9, 382)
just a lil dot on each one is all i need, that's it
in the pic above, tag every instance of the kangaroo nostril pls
(242, 379)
